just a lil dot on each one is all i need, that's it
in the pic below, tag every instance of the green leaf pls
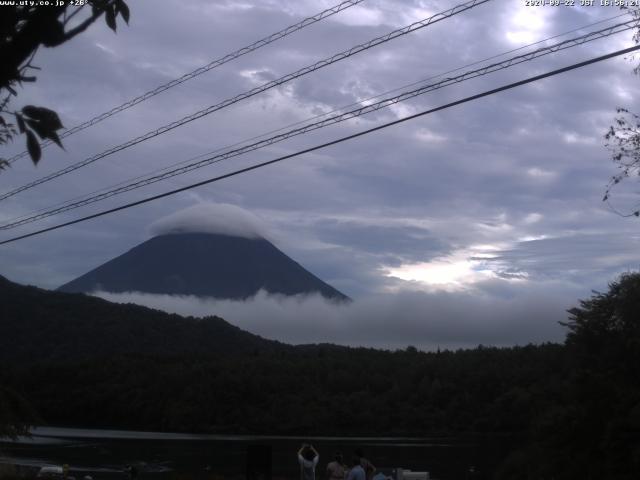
(48, 118)
(110, 18)
(31, 111)
(43, 132)
(20, 123)
(37, 127)
(123, 9)
(97, 6)
(33, 147)
(56, 139)
(52, 33)
(51, 120)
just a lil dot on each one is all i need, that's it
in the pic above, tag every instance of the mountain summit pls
(205, 265)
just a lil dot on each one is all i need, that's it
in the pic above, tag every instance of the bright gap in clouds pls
(458, 271)
(525, 24)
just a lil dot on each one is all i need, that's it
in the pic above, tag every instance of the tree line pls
(571, 410)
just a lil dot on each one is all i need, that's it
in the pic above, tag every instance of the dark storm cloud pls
(408, 243)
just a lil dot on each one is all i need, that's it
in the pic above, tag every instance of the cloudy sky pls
(482, 223)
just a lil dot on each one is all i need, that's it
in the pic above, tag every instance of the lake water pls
(104, 453)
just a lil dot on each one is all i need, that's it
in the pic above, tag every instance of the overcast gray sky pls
(487, 214)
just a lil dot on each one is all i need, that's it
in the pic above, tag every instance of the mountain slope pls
(42, 325)
(203, 264)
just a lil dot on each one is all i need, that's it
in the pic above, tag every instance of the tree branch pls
(75, 12)
(84, 25)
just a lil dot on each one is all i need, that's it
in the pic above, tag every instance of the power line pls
(199, 71)
(314, 117)
(274, 83)
(327, 144)
(321, 115)
(362, 110)
(301, 122)
(112, 190)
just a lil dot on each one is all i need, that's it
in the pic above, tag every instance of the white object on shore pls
(50, 471)
(403, 474)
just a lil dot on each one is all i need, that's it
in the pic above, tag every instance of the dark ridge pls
(43, 325)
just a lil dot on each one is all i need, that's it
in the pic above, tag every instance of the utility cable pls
(309, 119)
(315, 117)
(199, 71)
(327, 144)
(274, 83)
(362, 110)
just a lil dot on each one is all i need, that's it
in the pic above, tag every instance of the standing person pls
(367, 466)
(308, 458)
(132, 472)
(336, 470)
(356, 472)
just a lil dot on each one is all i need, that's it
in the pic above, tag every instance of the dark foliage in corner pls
(23, 30)
(623, 137)
(593, 427)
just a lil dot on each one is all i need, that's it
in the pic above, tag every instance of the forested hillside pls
(41, 325)
(571, 411)
(319, 391)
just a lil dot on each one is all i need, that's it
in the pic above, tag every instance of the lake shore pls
(103, 454)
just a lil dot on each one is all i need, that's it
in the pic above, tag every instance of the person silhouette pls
(336, 470)
(308, 458)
